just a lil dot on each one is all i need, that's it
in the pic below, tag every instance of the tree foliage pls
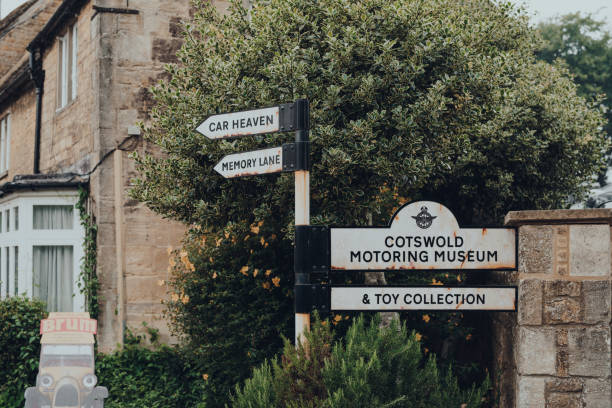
(410, 99)
(585, 46)
(370, 367)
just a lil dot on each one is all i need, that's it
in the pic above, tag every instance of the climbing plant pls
(88, 278)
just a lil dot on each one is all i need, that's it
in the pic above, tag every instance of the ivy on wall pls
(88, 278)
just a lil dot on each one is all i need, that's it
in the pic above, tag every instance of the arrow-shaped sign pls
(280, 118)
(251, 163)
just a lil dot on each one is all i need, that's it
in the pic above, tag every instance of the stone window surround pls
(25, 238)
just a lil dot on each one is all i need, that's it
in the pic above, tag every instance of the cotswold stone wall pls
(555, 352)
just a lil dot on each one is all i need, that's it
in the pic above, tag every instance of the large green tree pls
(410, 99)
(584, 44)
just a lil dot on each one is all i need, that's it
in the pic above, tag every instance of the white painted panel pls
(244, 123)
(251, 163)
(423, 235)
(423, 298)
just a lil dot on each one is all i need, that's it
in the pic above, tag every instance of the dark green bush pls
(370, 367)
(153, 377)
(19, 348)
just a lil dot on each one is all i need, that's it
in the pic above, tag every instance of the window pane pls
(6, 268)
(16, 216)
(16, 270)
(53, 216)
(8, 142)
(3, 145)
(7, 218)
(3, 279)
(53, 276)
(73, 70)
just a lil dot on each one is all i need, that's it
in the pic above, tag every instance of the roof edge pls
(66, 10)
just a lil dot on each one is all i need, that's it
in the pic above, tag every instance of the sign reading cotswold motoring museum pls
(422, 235)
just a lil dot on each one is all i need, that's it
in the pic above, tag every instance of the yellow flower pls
(210, 259)
(418, 336)
(346, 317)
(323, 323)
(426, 350)
(218, 243)
(260, 223)
(337, 318)
(175, 297)
(426, 318)
(276, 281)
(172, 262)
(205, 377)
(255, 229)
(268, 272)
(169, 250)
(458, 278)
(266, 285)
(214, 275)
(262, 241)
(255, 272)
(226, 234)
(435, 282)
(186, 261)
(185, 299)
(244, 270)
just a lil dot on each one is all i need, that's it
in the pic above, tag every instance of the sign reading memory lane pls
(244, 123)
(423, 298)
(422, 235)
(251, 163)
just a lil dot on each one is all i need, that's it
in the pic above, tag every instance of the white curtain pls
(53, 217)
(53, 277)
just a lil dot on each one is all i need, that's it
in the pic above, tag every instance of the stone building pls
(74, 79)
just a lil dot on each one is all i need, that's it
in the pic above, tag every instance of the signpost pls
(421, 236)
(455, 298)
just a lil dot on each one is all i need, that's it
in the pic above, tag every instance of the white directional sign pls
(244, 123)
(251, 163)
(423, 235)
(423, 298)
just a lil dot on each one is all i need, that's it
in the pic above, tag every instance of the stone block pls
(596, 298)
(589, 250)
(562, 310)
(535, 249)
(530, 302)
(143, 289)
(589, 351)
(564, 385)
(555, 288)
(598, 393)
(563, 400)
(536, 351)
(530, 392)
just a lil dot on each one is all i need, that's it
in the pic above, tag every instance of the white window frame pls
(67, 78)
(26, 238)
(5, 144)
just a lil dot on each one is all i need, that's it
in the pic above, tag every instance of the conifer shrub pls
(19, 348)
(372, 366)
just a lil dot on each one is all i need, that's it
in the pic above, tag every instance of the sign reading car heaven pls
(422, 235)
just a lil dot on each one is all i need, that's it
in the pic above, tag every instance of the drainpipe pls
(37, 73)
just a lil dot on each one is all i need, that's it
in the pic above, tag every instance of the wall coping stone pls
(551, 217)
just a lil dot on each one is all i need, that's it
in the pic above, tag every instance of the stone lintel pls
(552, 217)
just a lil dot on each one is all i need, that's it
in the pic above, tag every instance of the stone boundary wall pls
(559, 353)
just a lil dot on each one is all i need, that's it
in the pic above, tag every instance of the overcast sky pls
(538, 9)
